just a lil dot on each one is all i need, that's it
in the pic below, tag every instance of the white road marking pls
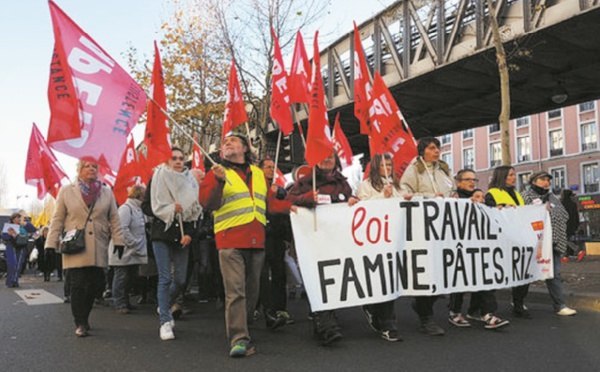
(38, 297)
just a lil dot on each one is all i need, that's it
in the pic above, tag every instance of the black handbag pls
(21, 240)
(73, 241)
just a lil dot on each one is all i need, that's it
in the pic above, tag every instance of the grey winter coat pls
(134, 235)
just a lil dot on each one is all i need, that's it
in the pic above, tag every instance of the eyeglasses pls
(175, 158)
(470, 179)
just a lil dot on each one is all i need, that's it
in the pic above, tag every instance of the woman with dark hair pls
(16, 248)
(427, 175)
(382, 184)
(502, 193)
(172, 200)
(331, 187)
(90, 205)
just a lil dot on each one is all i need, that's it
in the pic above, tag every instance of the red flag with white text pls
(362, 84)
(129, 174)
(280, 99)
(197, 159)
(318, 139)
(109, 100)
(62, 99)
(42, 169)
(157, 137)
(389, 132)
(235, 110)
(340, 143)
(300, 75)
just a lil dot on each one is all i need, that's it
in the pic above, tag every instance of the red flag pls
(300, 75)
(62, 98)
(129, 174)
(362, 85)
(279, 178)
(145, 170)
(340, 143)
(388, 130)
(280, 99)
(318, 140)
(42, 169)
(157, 136)
(109, 100)
(197, 160)
(235, 111)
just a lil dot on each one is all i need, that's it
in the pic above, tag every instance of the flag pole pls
(277, 152)
(185, 133)
(299, 128)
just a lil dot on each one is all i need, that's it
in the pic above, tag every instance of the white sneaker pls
(166, 332)
(566, 311)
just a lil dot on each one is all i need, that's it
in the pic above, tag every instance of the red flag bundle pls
(106, 101)
(340, 143)
(129, 174)
(42, 169)
(157, 136)
(389, 133)
(197, 160)
(318, 139)
(235, 111)
(362, 85)
(300, 74)
(280, 99)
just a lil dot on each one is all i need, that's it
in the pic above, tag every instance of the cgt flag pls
(42, 169)
(300, 74)
(280, 98)
(235, 111)
(389, 133)
(129, 174)
(318, 140)
(103, 98)
(340, 143)
(362, 84)
(197, 160)
(157, 137)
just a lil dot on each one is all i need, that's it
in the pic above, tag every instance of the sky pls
(26, 42)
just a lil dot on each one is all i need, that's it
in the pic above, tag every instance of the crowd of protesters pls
(229, 230)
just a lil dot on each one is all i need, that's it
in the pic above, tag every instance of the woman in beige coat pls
(85, 269)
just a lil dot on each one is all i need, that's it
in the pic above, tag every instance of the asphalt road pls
(41, 338)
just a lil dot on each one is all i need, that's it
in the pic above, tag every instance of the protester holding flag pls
(382, 183)
(16, 247)
(429, 176)
(172, 200)
(502, 193)
(483, 304)
(330, 187)
(134, 234)
(90, 204)
(539, 193)
(237, 193)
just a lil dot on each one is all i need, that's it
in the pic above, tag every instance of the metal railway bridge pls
(438, 59)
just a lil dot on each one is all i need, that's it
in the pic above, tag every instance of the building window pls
(589, 137)
(556, 142)
(494, 127)
(591, 178)
(587, 106)
(445, 139)
(467, 133)
(554, 114)
(468, 159)
(559, 179)
(495, 154)
(523, 181)
(447, 158)
(523, 149)
(522, 122)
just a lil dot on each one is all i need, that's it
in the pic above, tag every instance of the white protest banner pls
(379, 250)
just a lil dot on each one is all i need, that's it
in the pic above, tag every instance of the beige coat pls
(71, 212)
(421, 181)
(366, 191)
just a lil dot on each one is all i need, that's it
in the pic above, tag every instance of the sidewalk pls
(581, 285)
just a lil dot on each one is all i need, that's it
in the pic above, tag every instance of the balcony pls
(556, 152)
(590, 146)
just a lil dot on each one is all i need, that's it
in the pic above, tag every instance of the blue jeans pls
(169, 286)
(555, 286)
(122, 282)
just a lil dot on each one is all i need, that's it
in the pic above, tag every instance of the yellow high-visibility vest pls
(503, 198)
(239, 207)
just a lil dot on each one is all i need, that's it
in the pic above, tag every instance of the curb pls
(576, 300)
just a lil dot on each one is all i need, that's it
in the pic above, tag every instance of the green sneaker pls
(242, 349)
